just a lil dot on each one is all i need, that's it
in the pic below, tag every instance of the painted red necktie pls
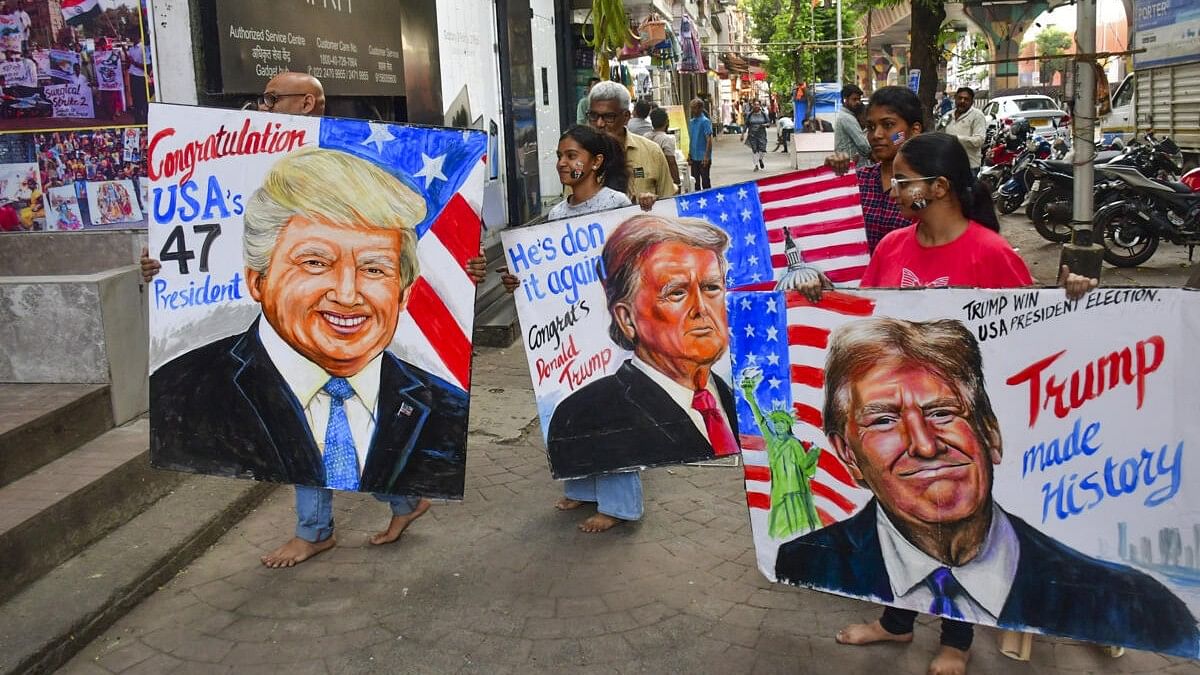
(719, 433)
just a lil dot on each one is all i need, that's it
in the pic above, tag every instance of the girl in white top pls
(592, 164)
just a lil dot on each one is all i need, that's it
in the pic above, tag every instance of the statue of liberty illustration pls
(793, 464)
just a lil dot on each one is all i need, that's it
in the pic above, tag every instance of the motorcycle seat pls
(1181, 188)
(1058, 166)
(1106, 156)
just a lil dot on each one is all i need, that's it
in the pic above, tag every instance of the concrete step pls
(51, 514)
(54, 617)
(41, 422)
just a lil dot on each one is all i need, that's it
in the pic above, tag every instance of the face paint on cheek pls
(577, 170)
(917, 195)
(898, 138)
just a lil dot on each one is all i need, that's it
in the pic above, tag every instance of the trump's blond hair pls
(332, 187)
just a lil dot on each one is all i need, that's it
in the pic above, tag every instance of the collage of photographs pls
(77, 79)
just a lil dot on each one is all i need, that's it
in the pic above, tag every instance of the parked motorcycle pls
(1051, 195)
(1012, 192)
(999, 158)
(1146, 212)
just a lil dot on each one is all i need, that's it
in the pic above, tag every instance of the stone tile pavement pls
(504, 583)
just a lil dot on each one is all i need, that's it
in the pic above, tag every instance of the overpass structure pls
(1002, 22)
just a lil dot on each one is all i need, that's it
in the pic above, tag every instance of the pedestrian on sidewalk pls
(968, 124)
(639, 124)
(894, 115)
(783, 138)
(660, 120)
(700, 145)
(301, 94)
(755, 135)
(848, 136)
(953, 241)
(649, 175)
(593, 165)
(581, 108)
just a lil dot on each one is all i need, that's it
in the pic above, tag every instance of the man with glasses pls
(293, 94)
(649, 174)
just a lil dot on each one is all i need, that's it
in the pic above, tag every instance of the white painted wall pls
(545, 55)
(467, 50)
(176, 82)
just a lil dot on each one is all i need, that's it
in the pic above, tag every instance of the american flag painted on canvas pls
(448, 169)
(820, 209)
(784, 335)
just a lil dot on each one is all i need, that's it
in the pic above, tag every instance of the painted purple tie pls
(944, 586)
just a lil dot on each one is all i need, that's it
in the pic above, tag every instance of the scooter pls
(1012, 193)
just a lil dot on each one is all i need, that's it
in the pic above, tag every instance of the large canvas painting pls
(624, 312)
(312, 321)
(1009, 458)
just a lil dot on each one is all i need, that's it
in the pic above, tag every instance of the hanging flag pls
(77, 12)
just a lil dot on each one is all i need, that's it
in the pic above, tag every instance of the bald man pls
(293, 94)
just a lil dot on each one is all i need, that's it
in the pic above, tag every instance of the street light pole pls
(841, 73)
(1083, 255)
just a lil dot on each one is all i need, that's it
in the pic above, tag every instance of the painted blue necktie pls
(943, 584)
(341, 458)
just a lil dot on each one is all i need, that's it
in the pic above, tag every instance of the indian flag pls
(76, 12)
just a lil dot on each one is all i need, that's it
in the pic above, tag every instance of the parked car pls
(1044, 116)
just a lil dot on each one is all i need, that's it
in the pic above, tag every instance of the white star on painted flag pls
(742, 193)
(380, 134)
(745, 214)
(683, 203)
(751, 359)
(431, 169)
(771, 306)
(773, 359)
(720, 197)
(746, 303)
(774, 382)
(753, 260)
(772, 333)
(750, 239)
(749, 330)
(702, 202)
(756, 277)
(724, 217)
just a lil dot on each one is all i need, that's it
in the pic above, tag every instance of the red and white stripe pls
(441, 310)
(835, 492)
(823, 212)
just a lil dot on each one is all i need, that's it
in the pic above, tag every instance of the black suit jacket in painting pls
(1056, 590)
(224, 409)
(625, 420)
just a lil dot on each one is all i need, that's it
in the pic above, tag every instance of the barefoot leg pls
(867, 633)
(949, 661)
(296, 551)
(399, 523)
(599, 523)
(566, 504)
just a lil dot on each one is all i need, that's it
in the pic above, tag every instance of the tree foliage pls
(1052, 41)
(776, 22)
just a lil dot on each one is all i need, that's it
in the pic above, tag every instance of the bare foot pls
(949, 661)
(399, 523)
(866, 633)
(566, 504)
(296, 551)
(599, 523)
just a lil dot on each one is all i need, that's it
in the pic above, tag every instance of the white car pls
(1043, 114)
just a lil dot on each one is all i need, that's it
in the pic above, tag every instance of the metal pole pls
(841, 72)
(1083, 255)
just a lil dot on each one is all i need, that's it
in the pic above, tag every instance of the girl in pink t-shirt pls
(955, 242)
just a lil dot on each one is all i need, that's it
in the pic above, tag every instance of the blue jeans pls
(616, 494)
(314, 511)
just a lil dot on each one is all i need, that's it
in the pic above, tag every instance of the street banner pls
(71, 100)
(108, 71)
(625, 377)
(965, 453)
(312, 321)
(63, 64)
(16, 74)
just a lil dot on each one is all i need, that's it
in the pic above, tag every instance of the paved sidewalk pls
(504, 583)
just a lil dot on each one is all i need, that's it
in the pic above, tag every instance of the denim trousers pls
(314, 511)
(616, 494)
